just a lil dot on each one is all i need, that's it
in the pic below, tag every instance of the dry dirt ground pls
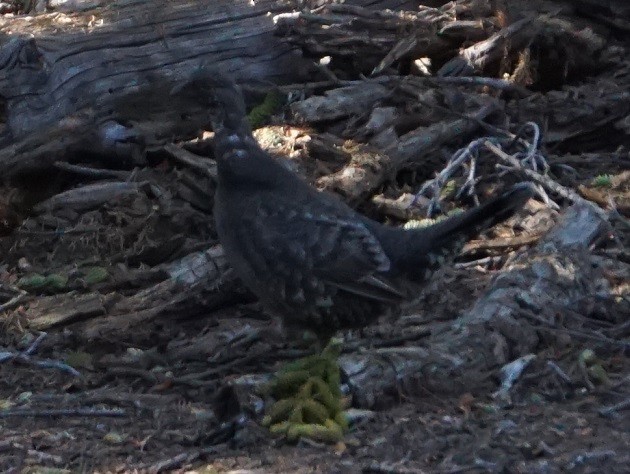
(131, 414)
(173, 392)
(547, 427)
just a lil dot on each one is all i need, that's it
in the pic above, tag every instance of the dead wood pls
(89, 196)
(197, 282)
(554, 278)
(370, 168)
(477, 57)
(59, 310)
(575, 115)
(73, 70)
(350, 32)
(338, 103)
(104, 92)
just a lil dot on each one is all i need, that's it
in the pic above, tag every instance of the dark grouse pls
(309, 257)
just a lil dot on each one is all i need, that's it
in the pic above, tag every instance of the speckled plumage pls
(309, 257)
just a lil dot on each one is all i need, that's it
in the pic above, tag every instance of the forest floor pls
(107, 366)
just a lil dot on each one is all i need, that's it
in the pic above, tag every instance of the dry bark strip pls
(555, 277)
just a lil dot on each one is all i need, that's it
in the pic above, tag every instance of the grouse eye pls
(238, 153)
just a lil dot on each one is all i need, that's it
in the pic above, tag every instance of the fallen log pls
(97, 82)
(553, 278)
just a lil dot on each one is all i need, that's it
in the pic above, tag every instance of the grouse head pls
(240, 160)
(220, 94)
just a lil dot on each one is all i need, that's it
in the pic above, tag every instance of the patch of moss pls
(603, 181)
(36, 282)
(260, 114)
(309, 403)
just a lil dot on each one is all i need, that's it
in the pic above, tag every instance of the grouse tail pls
(415, 251)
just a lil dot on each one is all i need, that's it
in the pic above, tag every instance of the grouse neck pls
(251, 166)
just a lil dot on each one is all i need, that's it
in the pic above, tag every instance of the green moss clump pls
(603, 181)
(36, 282)
(420, 223)
(260, 114)
(309, 402)
(95, 275)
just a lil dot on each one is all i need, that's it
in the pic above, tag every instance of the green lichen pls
(309, 403)
(603, 181)
(449, 189)
(95, 275)
(261, 113)
(420, 223)
(36, 282)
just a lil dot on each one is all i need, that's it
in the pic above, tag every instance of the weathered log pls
(107, 92)
(553, 278)
(98, 81)
(195, 282)
(54, 74)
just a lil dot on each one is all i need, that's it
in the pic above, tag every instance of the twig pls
(481, 261)
(33, 347)
(91, 172)
(531, 156)
(500, 84)
(326, 84)
(543, 180)
(69, 412)
(60, 232)
(620, 382)
(610, 410)
(530, 160)
(200, 163)
(44, 457)
(572, 332)
(498, 244)
(197, 379)
(436, 184)
(581, 459)
(174, 462)
(13, 301)
(556, 368)
(25, 357)
(145, 375)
